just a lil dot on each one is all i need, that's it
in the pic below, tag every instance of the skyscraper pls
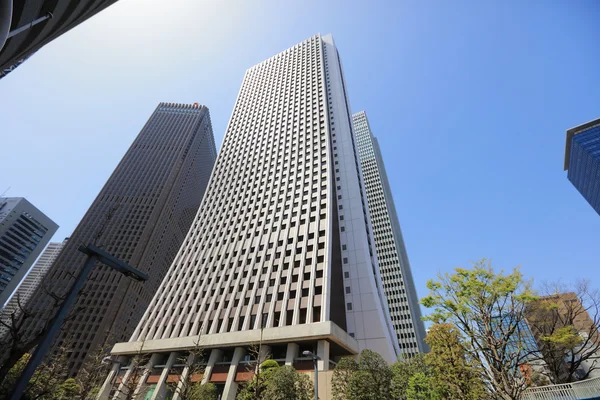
(396, 275)
(582, 160)
(28, 25)
(24, 232)
(140, 216)
(35, 276)
(281, 251)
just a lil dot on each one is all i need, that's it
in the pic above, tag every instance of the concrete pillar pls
(215, 355)
(264, 353)
(323, 352)
(161, 386)
(183, 378)
(154, 359)
(110, 380)
(230, 385)
(291, 353)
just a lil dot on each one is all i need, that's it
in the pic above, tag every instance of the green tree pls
(489, 309)
(420, 387)
(67, 390)
(255, 388)
(455, 375)
(285, 383)
(207, 391)
(368, 379)
(342, 374)
(402, 371)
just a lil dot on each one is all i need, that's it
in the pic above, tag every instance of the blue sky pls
(470, 102)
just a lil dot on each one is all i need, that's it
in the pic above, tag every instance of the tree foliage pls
(489, 309)
(420, 387)
(277, 383)
(342, 374)
(369, 378)
(402, 371)
(285, 383)
(455, 374)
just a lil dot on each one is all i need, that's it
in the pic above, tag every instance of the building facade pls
(281, 252)
(140, 216)
(582, 160)
(34, 23)
(549, 314)
(396, 275)
(24, 232)
(35, 276)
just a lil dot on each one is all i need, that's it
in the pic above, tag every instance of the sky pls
(470, 101)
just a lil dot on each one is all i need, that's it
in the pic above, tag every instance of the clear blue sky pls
(470, 102)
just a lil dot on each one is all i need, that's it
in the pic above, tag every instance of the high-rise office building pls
(24, 232)
(582, 160)
(29, 284)
(28, 25)
(396, 275)
(140, 216)
(281, 251)
(36, 274)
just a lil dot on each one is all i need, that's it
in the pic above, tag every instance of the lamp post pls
(315, 358)
(95, 255)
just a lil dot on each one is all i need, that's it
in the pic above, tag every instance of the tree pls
(455, 375)
(187, 386)
(255, 388)
(285, 383)
(565, 321)
(69, 389)
(17, 338)
(206, 391)
(369, 378)
(342, 374)
(402, 371)
(127, 389)
(420, 387)
(93, 372)
(489, 309)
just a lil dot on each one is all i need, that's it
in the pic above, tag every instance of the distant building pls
(396, 275)
(24, 232)
(567, 310)
(582, 160)
(140, 216)
(35, 23)
(35, 276)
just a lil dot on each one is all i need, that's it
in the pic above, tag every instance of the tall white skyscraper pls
(35, 275)
(396, 275)
(281, 250)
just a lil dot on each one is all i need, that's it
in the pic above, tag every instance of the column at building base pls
(230, 384)
(291, 354)
(161, 387)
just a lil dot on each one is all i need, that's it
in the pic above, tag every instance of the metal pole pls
(48, 15)
(42, 348)
(316, 378)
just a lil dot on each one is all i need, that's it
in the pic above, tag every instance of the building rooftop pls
(572, 132)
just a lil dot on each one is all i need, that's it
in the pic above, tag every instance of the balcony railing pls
(583, 390)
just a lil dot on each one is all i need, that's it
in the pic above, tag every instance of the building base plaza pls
(227, 360)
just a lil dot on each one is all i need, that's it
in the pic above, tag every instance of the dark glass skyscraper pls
(28, 25)
(141, 216)
(582, 160)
